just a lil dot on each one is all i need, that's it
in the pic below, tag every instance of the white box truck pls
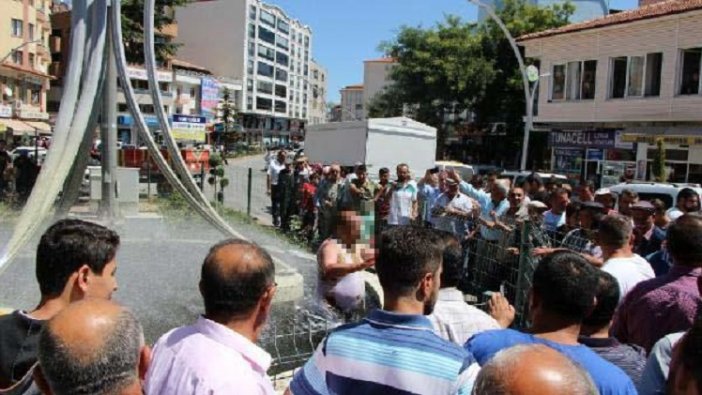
(377, 142)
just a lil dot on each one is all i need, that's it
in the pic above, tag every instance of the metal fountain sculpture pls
(96, 52)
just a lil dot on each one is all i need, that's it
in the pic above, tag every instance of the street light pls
(38, 41)
(528, 95)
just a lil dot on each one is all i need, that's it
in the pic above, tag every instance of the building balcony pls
(55, 69)
(55, 44)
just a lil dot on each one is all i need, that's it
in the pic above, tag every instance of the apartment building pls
(265, 48)
(612, 87)
(24, 60)
(352, 108)
(318, 94)
(585, 10)
(376, 77)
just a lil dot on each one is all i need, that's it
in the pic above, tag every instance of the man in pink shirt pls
(218, 354)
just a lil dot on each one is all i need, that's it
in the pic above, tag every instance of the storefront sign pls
(140, 74)
(127, 120)
(667, 139)
(595, 154)
(190, 128)
(5, 111)
(32, 114)
(209, 98)
(583, 139)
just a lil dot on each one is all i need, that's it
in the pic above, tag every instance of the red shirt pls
(308, 192)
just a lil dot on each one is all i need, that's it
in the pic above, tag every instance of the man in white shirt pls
(454, 319)
(615, 237)
(218, 353)
(452, 210)
(403, 202)
(274, 168)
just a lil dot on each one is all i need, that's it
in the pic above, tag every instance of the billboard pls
(189, 128)
(209, 98)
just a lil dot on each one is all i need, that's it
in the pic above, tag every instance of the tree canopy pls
(457, 67)
(133, 28)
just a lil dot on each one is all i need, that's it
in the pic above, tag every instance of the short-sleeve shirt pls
(608, 378)
(449, 223)
(386, 353)
(274, 170)
(401, 202)
(628, 272)
(553, 221)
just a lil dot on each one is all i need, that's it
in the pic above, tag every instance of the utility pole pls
(108, 135)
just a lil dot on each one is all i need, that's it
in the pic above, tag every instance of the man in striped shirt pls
(395, 350)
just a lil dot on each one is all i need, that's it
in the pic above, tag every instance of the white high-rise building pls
(262, 46)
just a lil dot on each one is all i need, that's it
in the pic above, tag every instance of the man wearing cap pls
(607, 198)
(647, 236)
(452, 211)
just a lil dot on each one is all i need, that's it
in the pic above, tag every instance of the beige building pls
(24, 60)
(613, 86)
(376, 76)
(318, 94)
(352, 103)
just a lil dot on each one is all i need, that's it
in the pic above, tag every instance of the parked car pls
(667, 192)
(517, 177)
(29, 151)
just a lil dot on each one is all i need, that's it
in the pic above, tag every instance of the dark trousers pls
(275, 204)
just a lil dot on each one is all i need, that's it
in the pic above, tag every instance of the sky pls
(347, 32)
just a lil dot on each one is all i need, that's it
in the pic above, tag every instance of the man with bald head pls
(532, 369)
(218, 354)
(92, 347)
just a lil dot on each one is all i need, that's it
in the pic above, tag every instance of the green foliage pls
(215, 160)
(457, 66)
(228, 113)
(658, 168)
(223, 182)
(133, 28)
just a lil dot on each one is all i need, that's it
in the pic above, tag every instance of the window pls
(283, 26)
(179, 110)
(307, 42)
(31, 60)
(266, 53)
(281, 75)
(252, 30)
(282, 42)
(690, 78)
(558, 82)
(265, 70)
(192, 92)
(264, 104)
(252, 12)
(122, 107)
(35, 92)
(636, 76)
(17, 57)
(31, 31)
(266, 35)
(654, 66)
(281, 106)
(164, 86)
(249, 103)
(281, 90)
(146, 108)
(252, 49)
(281, 59)
(250, 66)
(264, 87)
(249, 85)
(267, 18)
(16, 27)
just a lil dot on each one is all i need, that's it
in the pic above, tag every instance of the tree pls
(505, 103)
(133, 28)
(440, 72)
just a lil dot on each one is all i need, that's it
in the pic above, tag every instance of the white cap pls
(603, 191)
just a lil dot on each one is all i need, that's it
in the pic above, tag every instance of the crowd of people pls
(612, 307)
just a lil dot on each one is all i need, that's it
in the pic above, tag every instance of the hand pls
(541, 251)
(500, 309)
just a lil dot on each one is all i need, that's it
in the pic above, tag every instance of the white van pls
(668, 193)
(465, 171)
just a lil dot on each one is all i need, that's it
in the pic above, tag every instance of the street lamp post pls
(528, 95)
(4, 58)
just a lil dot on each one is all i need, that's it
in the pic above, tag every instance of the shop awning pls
(42, 127)
(18, 128)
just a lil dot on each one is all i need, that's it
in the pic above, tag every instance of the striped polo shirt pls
(387, 353)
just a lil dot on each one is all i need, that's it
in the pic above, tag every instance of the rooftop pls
(181, 64)
(656, 10)
(353, 87)
(381, 60)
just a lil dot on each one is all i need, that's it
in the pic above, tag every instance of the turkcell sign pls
(189, 128)
(583, 139)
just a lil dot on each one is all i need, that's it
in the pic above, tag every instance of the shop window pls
(264, 104)
(690, 78)
(558, 82)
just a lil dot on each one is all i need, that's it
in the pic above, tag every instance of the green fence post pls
(248, 193)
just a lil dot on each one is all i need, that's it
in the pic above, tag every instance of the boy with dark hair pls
(75, 260)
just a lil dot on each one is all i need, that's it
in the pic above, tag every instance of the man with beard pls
(355, 359)
(688, 202)
(403, 202)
